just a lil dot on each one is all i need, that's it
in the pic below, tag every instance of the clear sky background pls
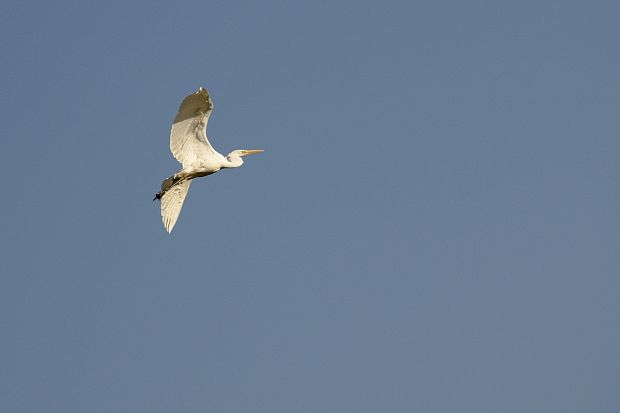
(433, 227)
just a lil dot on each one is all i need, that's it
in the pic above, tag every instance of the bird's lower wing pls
(172, 202)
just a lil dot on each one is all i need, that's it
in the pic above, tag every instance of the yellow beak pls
(250, 151)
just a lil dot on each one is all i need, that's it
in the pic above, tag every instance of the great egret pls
(190, 146)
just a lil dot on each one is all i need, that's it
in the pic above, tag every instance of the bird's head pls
(235, 157)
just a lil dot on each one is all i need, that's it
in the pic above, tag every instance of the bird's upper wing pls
(172, 202)
(188, 136)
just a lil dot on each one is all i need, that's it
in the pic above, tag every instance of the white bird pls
(190, 146)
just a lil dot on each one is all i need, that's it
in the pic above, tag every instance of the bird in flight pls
(191, 147)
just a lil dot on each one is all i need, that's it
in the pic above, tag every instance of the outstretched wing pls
(188, 136)
(172, 202)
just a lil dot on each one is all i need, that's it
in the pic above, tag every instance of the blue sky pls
(433, 225)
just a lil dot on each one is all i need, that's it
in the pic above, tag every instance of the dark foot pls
(157, 196)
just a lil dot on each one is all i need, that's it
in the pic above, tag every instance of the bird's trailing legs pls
(166, 185)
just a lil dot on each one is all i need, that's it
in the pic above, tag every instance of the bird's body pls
(191, 147)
